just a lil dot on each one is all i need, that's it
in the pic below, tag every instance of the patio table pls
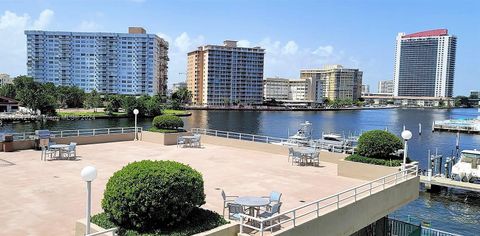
(59, 148)
(305, 152)
(188, 139)
(252, 203)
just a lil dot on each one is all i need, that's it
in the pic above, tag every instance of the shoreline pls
(307, 109)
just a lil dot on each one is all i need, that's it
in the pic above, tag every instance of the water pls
(452, 210)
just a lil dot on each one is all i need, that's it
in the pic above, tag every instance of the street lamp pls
(135, 112)
(89, 173)
(406, 135)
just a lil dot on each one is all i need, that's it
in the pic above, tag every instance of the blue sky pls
(296, 34)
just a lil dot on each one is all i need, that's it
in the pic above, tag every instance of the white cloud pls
(290, 48)
(165, 37)
(89, 25)
(324, 51)
(244, 43)
(13, 40)
(184, 43)
(44, 19)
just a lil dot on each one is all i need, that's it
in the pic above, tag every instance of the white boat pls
(467, 169)
(301, 138)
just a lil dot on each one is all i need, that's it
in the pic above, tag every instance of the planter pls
(162, 138)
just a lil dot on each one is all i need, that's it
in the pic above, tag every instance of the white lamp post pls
(135, 112)
(89, 173)
(406, 135)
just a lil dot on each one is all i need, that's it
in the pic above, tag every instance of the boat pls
(467, 169)
(302, 137)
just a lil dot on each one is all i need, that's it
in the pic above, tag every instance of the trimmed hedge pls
(167, 122)
(199, 220)
(149, 195)
(379, 144)
(374, 161)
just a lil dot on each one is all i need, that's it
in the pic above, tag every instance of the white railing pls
(239, 136)
(327, 204)
(426, 231)
(78, 132)
(113, 231)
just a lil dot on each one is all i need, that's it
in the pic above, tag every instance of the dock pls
(449, 183)
(471, 126)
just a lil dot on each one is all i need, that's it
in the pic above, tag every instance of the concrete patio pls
(46, 198)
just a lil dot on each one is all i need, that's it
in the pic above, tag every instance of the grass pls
(375, 161)
(175, 112)
(199, 220)
(90, 113)
(155, 129)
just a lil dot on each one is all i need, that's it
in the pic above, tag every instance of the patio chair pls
(234, 211)
(296, 158)
(274, 199)
(196, 140)
(180, 141)
(316, 159)
(227, 200)
(290, 153)
(71, 151)
(275, 210)
(46, 152)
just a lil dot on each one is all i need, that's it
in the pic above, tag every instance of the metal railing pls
(435, 232)
(78, 132)
(239, 136)
(113, 231)
(327, 204)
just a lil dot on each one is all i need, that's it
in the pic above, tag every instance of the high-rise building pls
(334, 82)
(385, 86)
(425, 64)
(221, 75)
(276, 88)
(131, 63)
(365, 89)
(5, 79)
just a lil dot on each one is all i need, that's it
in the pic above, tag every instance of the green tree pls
(70, 96)
(182, 95)
(93, 100)
(34, 95)
(154, 106)
(129, 104)
(8, 90)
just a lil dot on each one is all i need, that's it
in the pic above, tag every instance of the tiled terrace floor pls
(46, 198)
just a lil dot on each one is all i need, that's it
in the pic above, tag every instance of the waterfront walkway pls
(46, 198)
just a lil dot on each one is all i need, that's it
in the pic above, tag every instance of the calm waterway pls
(455, 211)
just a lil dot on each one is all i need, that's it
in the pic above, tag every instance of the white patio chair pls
(196, 140)
(274, 199)
(316, 159)
(71, 151)
(227, 200)
(180, 141)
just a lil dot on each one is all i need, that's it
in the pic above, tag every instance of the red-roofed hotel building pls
(425, 64)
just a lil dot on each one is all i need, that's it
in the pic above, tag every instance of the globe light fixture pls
(88, 174)
(406, 135)
(135, 112)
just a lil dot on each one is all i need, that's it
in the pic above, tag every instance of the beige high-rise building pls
(227, 74)
(335, 82)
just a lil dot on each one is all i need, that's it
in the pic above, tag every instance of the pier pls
(436, 182)
(465, 126)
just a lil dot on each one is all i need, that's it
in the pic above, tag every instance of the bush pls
(369, 160)
(149, 195)
(167, 122)
(199, 220)
(379, 144)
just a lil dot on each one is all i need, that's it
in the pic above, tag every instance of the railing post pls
(24, 136)
(93, 132)
(61, 133)
(216, 133)
(240, 136)
(241, 224)
(122, 130)
(253, 138)
(338, 201)
(383, 183)
(318, 209)
(396, 176)
(293, 218)
(355, 193)
(227, 134)
(370, 188)
(267, 140)
(78, 132)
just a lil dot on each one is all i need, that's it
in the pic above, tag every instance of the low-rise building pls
(335, 82)
(5, 79)
(293, 91)
(8, 104)
(275, 88)
(408, 101)
(177, 86)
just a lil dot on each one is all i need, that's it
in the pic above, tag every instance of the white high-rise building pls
(425, 64)
(132, 63)
(385, 86)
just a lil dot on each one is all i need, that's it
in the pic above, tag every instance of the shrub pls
(378, 144)
(167, 122)
(150, 195)
(375, 161)
(199, 220)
